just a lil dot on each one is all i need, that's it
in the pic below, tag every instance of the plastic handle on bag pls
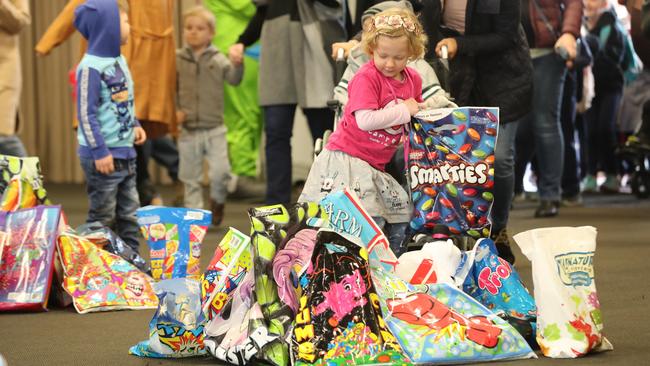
(444, 53)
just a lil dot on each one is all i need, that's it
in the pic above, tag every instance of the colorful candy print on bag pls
(450, 168)
(101, 281)
(569, 320)
(104, 238)
(176, 329)
(339, 319)
(27, 246)
(438, 323)
(229, 265)
(497, 285)
(174, 236)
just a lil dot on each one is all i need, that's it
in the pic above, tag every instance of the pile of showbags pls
(317, 283)
(91, 267)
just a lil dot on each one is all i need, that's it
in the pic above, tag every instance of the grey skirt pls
(379, 193)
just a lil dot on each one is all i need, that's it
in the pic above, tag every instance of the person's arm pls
(506, 31)
(614, 47)
(254, 28)
(232, 73)
(13, 17)
(61, 28)
(88, 99)
(379, 119)
(572, 17)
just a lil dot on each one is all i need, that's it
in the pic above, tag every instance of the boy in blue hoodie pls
(107, 125)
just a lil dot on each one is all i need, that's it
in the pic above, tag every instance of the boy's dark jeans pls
(113, 199)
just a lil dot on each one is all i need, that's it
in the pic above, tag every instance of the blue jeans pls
(600, 127)
(11, 145)
(113, 199)
(395, 233)
(504, 175)
(571, 173)
(278, 127)
(541, 128)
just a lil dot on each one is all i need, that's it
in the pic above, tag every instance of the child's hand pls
(180, 116)
(140, 136)
(105, 165)
(346, 46)
(236, 53)
(412, 105)
(452, 47)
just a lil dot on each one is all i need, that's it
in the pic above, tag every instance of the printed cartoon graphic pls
(116, 81)
(343, 296)
(424, 309)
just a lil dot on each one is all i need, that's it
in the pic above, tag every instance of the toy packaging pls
(450, 156)
(339, 320)
(27, 247)
(101, 281)
(174, 236)
(569, 321)
(176, 329)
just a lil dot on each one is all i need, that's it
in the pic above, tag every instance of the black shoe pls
(547, 209)
(502, 243)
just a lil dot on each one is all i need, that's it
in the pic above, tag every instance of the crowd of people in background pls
(558, 70)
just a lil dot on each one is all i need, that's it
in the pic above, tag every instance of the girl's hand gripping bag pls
(450, 167)
(176, 329)
(174, 236)
(569, 321)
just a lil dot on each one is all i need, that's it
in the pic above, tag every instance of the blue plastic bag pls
(497, 285)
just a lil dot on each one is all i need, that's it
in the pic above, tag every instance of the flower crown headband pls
(394, 22)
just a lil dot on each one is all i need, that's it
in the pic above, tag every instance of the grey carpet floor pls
(63, 337)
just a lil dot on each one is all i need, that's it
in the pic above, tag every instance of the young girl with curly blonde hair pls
(384, 94)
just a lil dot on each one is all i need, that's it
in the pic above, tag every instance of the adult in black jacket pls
(490, 65)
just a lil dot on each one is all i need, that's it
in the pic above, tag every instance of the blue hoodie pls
(104, 86)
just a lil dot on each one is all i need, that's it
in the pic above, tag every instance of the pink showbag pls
(569, 321)
(27, 244)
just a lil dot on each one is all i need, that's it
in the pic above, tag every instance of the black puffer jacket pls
(493, 65)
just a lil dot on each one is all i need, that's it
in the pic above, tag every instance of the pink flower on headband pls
(394, 22)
